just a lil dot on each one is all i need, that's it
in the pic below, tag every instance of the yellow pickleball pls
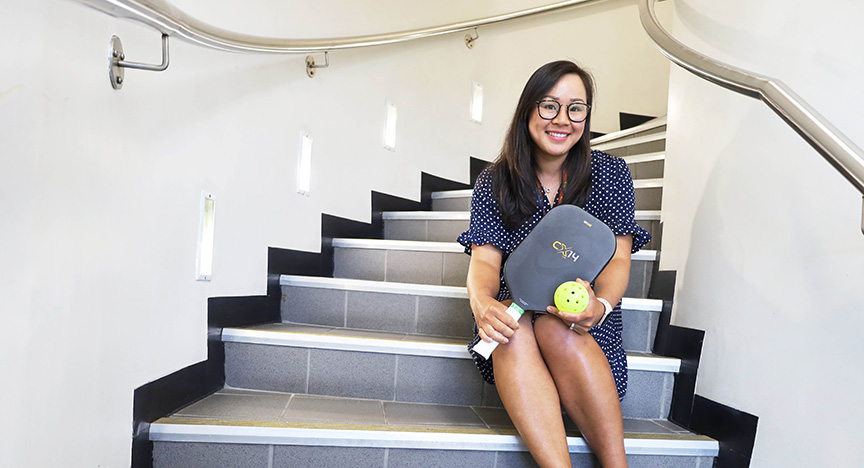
(571, 297)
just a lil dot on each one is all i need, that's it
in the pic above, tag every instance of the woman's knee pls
(552, 334)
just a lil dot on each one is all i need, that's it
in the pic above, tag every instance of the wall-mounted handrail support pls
(311, 67)
(469, 39)
(118, 61)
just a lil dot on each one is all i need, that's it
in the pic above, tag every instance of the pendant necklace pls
(541, 189)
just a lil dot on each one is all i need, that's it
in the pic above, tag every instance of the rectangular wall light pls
(206, 233)
(390, 127)
(477, 102)
(304, 164)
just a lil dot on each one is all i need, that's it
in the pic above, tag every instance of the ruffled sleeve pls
(486, 226)
(617, 201)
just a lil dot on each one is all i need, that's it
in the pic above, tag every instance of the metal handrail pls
(170, 20)
(831, 143)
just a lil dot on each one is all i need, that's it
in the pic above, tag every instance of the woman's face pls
(554, 138)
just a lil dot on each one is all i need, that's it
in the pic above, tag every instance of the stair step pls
(647, 183)
(646, 166)
(445, 247)
(305, 336)
(439, 263)
(335, 361)
(253, 429)
(656, 125)
(645, 158)
(460, 200)
(465, 215)
(447, 225)
(420, 309)
(635, 141)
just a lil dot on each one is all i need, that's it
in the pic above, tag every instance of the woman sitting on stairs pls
(555, 359)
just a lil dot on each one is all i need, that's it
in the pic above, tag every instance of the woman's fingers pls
(583, 321)
(498, 330)
(495, 324)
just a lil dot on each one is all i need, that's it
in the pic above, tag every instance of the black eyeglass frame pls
(560, 106)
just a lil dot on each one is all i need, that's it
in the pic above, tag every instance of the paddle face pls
(568, 243)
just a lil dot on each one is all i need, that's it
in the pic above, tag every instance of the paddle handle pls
(485, 348)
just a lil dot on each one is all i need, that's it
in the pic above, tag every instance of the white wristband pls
(608, 310)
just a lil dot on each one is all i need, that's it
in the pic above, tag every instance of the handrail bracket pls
(469, 39)
(117, 61)
(311, 67)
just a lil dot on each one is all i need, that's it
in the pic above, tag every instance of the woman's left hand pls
(582, 322)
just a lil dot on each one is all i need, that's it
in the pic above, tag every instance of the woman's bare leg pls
(530, 396)
(586, 387)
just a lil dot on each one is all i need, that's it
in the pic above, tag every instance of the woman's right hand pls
(493, 321)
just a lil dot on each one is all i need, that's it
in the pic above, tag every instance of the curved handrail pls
(830, 142)
(170, 20)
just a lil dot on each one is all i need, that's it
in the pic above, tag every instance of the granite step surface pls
(255, 429)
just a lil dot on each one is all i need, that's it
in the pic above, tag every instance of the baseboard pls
(736, 431)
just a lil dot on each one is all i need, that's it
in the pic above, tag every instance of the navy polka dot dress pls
(611, 200)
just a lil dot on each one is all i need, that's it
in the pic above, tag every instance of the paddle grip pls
(485, 348)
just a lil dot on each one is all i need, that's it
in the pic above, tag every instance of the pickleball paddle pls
(568, 243)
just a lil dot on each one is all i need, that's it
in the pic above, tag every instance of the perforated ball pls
(571, 297)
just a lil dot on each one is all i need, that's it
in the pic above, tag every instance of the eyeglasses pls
(549, 109)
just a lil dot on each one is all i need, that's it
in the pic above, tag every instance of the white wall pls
(100, 188)
(765, 235)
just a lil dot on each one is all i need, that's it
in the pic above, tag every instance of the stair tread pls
(641, 215)
(249, 416)
(629, 141)
(305, 335)
(433, 246)
(458, 292)
(629, 132)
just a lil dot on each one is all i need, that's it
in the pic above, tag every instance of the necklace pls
(541, 189)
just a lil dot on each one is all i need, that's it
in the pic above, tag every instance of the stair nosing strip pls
(645, 157)
(457, 292)
(647, 183)
(246, 432)
(400, 347)
(430, 246)
(629, 141)
(426, 215)
(374, 286)
(391, 244)
(651, 124)
(445, 194)
(345, 343)
(640, 215)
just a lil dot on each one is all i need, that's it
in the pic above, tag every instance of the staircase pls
(369, 368)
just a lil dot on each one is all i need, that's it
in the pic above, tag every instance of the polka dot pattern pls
(611, 200)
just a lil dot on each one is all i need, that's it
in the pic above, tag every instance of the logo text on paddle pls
(565, 251)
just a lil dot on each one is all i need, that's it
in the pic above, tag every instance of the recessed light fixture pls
(390, 127)
(477, 102)
(304, 165)
(206, 231)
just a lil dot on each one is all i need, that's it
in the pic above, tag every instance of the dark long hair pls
(513, 181)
